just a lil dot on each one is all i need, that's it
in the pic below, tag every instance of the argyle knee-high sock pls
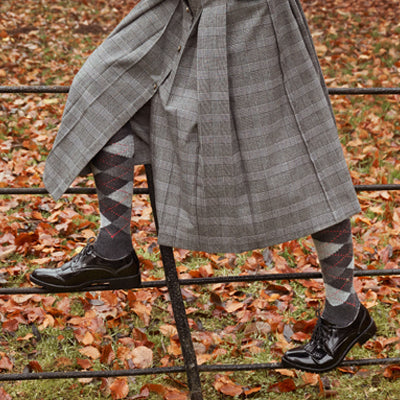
(335, 253)
(113, 168)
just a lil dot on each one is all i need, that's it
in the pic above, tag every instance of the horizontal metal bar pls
(86, 190)
(34, 89)
(254, 367)
(178, 369)
(364, 91)
(71, 190)
(89, 374)
(372, 188)
(203, 281)
(332, 91)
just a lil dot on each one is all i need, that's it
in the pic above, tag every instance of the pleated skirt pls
(239, 129)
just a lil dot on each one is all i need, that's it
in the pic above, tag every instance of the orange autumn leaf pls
(10, 325)
(206, 270)
(35, 366)
(392, 372)
(119, 388)
(174, 394)
(84, 363)
(107, 354)
(250, 391)
(110, 298)
(226, 386)
(310, 378)
(91, 352)
(4, 395)
(287, 385)
(233, 305)
(87, 339)
(6, 363)
(142, 357)
(142, 311)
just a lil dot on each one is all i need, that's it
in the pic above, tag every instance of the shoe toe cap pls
(296, 355)
(43, 275)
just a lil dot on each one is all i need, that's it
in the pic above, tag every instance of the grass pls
(50, 352)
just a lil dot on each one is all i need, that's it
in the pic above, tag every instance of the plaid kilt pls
(227, 101)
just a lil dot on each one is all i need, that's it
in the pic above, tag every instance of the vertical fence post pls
(178, 306)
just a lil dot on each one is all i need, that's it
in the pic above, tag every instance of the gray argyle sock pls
(335, 253)
(112, 168)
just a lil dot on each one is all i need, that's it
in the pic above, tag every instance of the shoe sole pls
(361, 339)
(129, 282)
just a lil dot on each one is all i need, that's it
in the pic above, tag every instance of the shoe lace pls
(87, 250)
(321, 333)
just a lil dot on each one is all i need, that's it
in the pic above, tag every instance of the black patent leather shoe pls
(88, 268)
(330, 344)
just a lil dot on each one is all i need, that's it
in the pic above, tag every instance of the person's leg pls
(334, 248)
(110, 259)
(113, 170)
(344, 321)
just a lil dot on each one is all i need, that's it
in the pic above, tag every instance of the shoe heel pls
(368, 333)
(126, 283)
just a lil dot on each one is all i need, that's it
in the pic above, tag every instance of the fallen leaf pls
(250, 391)
(142, 357)
(392, 372)
(6, 363)
(35, 366)
(174, 394)
(119, 388)
(91, 352)
(4, 395)
(107, 354)
(287, 385)
(226, 386)
(84, 363)
(87, 339)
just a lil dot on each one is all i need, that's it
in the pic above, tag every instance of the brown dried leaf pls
(142, 357)
(287, 385)
(144, 394)
(110, 298)
(226, 386)
(250, 391)
(35, 366)
(142, 311)
(6, 363)
(119, 388)
(91, 352)
(87, 339)
(4, 395)
(10, 325)
(107, 354)
(174, 394)
(168, 330)
(310, 378)
(156, 388)
(84, 363)
(392, 372)
(206, 270)
(233, 305)
(28, 237)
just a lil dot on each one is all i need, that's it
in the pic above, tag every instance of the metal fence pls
(174, 284)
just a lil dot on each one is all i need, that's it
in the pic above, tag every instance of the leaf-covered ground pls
(46, 42)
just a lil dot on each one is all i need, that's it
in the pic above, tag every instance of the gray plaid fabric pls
(241, 133)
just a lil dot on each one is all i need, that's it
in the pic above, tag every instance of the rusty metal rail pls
(332, 91)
